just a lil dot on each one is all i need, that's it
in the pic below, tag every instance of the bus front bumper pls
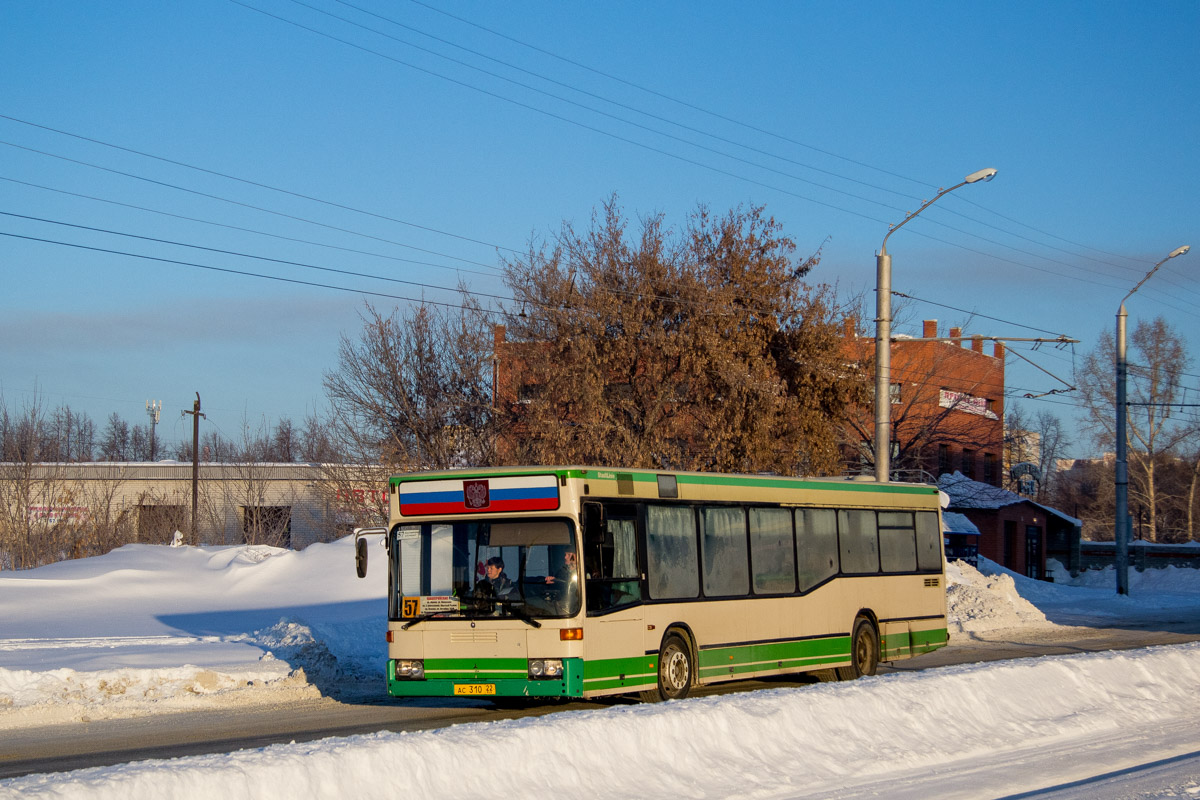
(485, 678)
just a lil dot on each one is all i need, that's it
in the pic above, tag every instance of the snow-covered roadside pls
(932, 733)
(110, 637)
(148, 629)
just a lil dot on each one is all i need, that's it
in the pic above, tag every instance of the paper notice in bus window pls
(434, 604)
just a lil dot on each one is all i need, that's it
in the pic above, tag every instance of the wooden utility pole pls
(193, 538)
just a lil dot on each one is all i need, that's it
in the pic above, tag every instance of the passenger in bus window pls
(566, 571)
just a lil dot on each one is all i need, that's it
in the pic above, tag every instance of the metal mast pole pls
(1121, 524)
(883, 335)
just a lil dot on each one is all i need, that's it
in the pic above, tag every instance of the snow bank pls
(1172, 579)
(978, 603)
(147, 629)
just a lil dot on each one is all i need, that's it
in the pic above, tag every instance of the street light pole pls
(1121, 523)
(883, 334)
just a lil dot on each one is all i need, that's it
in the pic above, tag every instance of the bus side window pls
(858, 541)
(672, 560)
(897, 541)
(816, 543)
(772, 554)
(929, 542)
(611, 561)
(723, 551)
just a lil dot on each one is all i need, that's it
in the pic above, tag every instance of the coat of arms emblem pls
(475, 493)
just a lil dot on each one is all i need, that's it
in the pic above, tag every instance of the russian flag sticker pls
(475, 495)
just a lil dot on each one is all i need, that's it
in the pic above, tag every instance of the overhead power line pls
(561, 118)
(975, 314)
(647, 90)
(245, 273)
(716, 115)
(281, 237)
(660, 151)
(239, 203)
(239, 254)
(257, 184)
(596, 96)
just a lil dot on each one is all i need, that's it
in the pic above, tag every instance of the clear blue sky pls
(840, 118)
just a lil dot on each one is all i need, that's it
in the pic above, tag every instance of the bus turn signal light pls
(570, 634)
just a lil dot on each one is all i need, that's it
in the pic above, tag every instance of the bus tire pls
(676, 669)
(864, 651)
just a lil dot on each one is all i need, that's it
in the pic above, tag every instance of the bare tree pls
(285, 444)
(114, 441)
(34, 508)
(317, 442)
(74, 433)
(214, 449)
(1157, 362)
(1193, 462)
(105, 522)
(414, 390)
(1086, 491)
(1040, 441)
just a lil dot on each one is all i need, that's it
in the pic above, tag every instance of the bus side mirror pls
(360, 557)
(360, 548)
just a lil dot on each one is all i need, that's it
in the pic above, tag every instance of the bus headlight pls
(545, 668)
(413, 670)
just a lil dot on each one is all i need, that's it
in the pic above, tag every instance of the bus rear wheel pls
(675, 670)
(864, 651)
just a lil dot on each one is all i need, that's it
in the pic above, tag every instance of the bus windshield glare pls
(522, 568)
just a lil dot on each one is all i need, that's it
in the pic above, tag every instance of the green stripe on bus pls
(802, 654)
(615, 667)
(799, 483)
(475, 670)
(630, 674)
(640, 672)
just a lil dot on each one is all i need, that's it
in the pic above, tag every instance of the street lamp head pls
(1180, 251)
(983, 175)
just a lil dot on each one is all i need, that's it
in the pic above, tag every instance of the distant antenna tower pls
(154, 409)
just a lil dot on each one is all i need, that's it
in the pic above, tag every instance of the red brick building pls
(947, 407)
(1014, 531)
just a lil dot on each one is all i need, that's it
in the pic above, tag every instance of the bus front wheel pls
(864, 651)
(675, 669)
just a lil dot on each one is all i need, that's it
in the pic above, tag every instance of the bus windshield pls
(523, 568)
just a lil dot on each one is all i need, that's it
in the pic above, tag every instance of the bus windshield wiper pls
(421, 618)
(521, 614)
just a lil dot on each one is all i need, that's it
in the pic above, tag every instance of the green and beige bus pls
(580, 582)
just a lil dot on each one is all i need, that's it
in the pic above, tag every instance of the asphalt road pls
(71, 746)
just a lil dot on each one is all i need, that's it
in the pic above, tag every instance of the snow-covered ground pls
(149, 629)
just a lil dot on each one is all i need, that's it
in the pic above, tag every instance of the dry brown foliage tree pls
(697, 350)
